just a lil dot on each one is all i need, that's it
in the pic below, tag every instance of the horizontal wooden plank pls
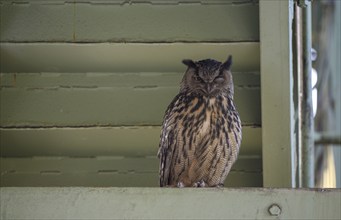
(115, 57)
(107, 171)
(110, 100)
(128, 21)
(161, 203)
(79, 179)
(235, 179)
(103, 165)
(125, 2)
(89, 142)
(102, 106)
(94, 80)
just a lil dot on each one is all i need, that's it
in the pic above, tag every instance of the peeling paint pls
(74, 21)
(50, 172)
(131, 2)
(14, 82)
(146, 87)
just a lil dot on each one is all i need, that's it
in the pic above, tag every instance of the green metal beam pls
(306, 115)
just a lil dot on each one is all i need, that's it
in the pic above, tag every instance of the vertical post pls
(337, 69)
(299, 69)
(306, 128)
(278, 137)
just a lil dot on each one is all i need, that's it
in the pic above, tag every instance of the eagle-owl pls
(201, 131)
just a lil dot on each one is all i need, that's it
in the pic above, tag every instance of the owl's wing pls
(166, 151)
(167, 146)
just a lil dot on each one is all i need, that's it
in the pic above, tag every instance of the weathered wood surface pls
(108, 171)
(129, 21)
(109, 99)
(161, 203)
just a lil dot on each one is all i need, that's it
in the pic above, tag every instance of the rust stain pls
(14, 82)
(74, 21)
(50, 172)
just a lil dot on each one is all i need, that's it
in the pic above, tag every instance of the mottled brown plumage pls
(201, 132)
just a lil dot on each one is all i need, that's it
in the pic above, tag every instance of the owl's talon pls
(199, 184)
(220, 185)
(180, 185)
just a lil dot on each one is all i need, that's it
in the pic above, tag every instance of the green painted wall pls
(83, 88)
(84, 85)
(129, 21)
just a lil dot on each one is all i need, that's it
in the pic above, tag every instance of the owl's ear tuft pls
(189, 63)
(227, 64)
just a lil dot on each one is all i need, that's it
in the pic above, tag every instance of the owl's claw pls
(220, 185)
(199, 184)
(180, 185)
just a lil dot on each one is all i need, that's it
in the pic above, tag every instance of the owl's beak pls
(209, 88)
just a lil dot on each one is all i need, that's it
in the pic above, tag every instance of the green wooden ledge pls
(167, 203)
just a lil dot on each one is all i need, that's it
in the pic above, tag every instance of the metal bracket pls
(303, 3)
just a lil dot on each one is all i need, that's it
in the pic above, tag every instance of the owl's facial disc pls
(208, 77)
(208, 85)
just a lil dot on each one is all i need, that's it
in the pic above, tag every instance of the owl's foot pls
(220, 185)
(180, 185)
(199, 184)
